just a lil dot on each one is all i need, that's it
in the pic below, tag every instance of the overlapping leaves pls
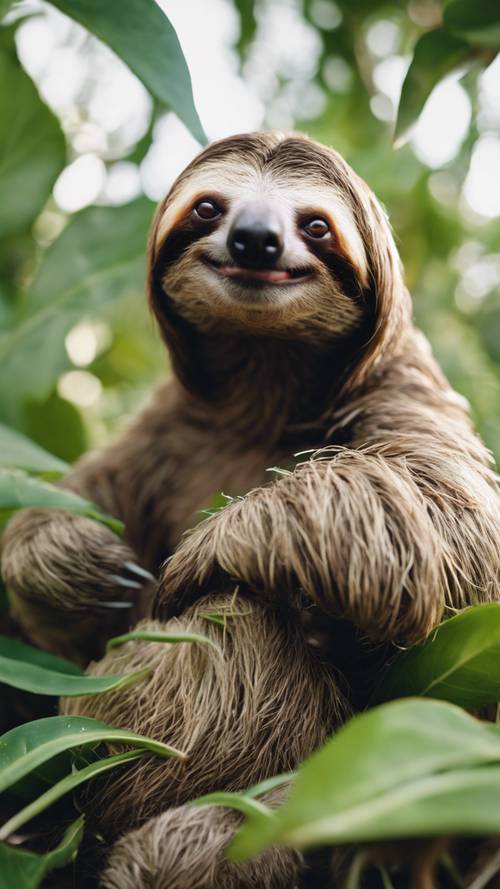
(408, 768)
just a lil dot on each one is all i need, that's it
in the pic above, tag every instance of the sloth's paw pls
(184, 848)
(72, 582)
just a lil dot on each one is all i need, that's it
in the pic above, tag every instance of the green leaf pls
(20, 651)
(171, 638)
(42, 681)
(217, 502)
(32, 145)
(245, 801)
(18, 452)
(18, 490)
(26, 747)
(5, 6)
(217, 619)
(459, 662)
(384, 876)
(26, 870)
(400, 770)
(98, 259)
(57, 426)
(143, 37)
(478, 23)
(70, 782)
(244, 804)
(269, 784)
(436, 54)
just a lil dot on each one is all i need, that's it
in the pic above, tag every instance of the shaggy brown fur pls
(252, 710)
(185, 847)
(392, 519)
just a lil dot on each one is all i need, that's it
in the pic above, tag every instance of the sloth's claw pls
(141, 572)
(115, 604)
(124, 581)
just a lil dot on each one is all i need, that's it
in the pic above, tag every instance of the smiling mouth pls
(257, 277)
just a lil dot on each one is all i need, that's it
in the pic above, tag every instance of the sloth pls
(277, 288)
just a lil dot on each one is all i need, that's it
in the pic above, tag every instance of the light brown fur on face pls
(387, 521)
(317, 309)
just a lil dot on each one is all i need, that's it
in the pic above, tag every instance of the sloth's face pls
(260, 238)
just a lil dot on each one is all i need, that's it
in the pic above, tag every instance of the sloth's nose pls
(255, 239)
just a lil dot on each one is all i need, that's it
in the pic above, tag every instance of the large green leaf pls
(19, 452)
(70, 782)
(40, 680)
(18, 490)
(20, 651)
(32, 146)
(390, 773)
(459, 662)
(479, 23)
(26, 747)
(436, 54)
(22, 869)
(463, 801)
(99, 258)
(141, 34)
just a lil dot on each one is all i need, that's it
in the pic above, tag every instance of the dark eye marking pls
(343, 271)
(316, 228)
(207, 209)
(198, 222)
(325, 242)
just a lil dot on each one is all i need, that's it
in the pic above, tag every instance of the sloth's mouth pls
(254, 277)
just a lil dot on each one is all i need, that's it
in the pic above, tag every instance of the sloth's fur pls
(185, 847)
(388, 521)
(232, 710)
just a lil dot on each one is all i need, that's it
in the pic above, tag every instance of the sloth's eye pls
(207, 210)
(316, 228)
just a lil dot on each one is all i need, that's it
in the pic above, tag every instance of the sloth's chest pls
(210, 472)
(193, 467)
(214, 466)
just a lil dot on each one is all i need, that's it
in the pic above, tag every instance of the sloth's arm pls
(71, 581)
(387, 533)
(68, 584)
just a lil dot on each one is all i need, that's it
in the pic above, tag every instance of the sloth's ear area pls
(179, 336)
(386, 296)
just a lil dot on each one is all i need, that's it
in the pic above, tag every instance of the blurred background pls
(332, 69)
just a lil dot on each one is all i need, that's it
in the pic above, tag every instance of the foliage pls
(18, 490)
(26, 747)
(396, 771)
(457, 663)
(24, 667)
(162, 68)
(18, 452)
(169, 638)
(27, 870)
(32, 148)
(409, 767)
(467, 29)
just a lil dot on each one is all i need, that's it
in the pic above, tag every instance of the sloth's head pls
(275, 236)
